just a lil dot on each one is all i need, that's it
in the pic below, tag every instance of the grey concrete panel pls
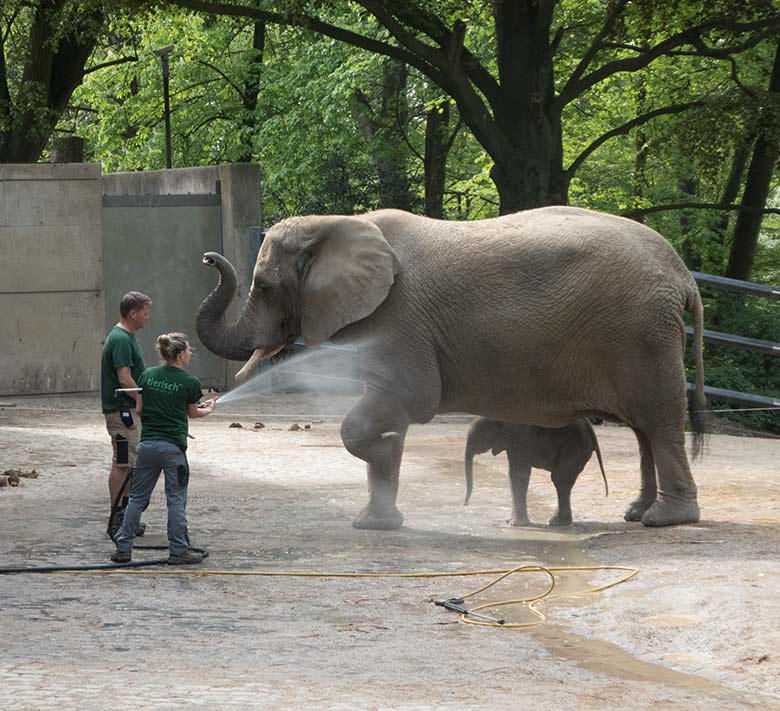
(177, 181)
(241, 210)
(51, 343)
(51, 302)
(59, 202)
(158, 250)
(52, 258)
(49, 171)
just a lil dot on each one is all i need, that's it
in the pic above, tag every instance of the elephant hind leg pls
(676, 501)
(658, 410)
(648, 488)
(563, 481)
(374, 430)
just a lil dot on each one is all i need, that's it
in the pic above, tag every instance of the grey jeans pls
(152, 457)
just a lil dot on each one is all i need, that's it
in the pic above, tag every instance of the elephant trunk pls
(231, 341)
(469, 472)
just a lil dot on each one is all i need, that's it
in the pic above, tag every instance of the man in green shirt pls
(121, 366)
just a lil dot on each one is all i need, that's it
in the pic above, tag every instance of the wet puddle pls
(606, 658)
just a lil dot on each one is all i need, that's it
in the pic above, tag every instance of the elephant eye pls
(262, 287)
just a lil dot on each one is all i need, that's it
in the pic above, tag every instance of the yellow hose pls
(529, 602)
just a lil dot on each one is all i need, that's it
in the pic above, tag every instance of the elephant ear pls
(347, 271)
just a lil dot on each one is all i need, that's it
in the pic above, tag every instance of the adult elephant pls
(540, 317)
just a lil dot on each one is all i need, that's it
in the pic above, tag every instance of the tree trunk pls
(336, 183)
(689, 187)
(5, 100)
(58, 53)
(394, 119)
(641, 146)
(731, 191)
(67, 149)
(757, 184)
(436, 150)
(528, 170)
(386, 126)
(248, 125)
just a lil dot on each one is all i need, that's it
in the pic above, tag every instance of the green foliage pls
(43, 46)
(313, 156)
(303, 133)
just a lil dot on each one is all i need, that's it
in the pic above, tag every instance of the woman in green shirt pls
(169, 397)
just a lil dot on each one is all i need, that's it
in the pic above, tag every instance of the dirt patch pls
(13, 477)
(696, 628)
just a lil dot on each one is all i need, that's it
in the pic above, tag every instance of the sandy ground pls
(697, 628)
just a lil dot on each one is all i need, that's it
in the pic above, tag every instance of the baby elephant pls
(563, 452)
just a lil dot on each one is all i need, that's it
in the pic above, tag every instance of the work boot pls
(188, 557)
(122, 557)
(141, 529)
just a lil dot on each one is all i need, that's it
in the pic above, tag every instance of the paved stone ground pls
(696, 629)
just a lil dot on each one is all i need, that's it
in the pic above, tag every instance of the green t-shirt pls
(167, 391)
(120, 350)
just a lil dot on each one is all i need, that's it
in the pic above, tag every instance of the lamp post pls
(163, 55)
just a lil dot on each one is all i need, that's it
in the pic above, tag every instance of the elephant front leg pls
(519, 475)
(648, 487)
(374, 431)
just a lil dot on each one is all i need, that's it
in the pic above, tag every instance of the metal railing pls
(728, 339)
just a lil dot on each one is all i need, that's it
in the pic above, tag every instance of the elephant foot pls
(560, 519)
(388, 520)
(668, 511)
(519, 521)
(636, 509)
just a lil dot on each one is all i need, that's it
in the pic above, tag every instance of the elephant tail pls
(697, 405)
(469, 473)
(597, 450)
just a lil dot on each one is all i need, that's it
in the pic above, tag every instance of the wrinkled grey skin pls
(541, 317)
(563, 451)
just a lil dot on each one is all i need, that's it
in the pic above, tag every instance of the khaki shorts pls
(115, 427)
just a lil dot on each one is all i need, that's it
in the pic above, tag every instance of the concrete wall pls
(51, 305)
(73, 241)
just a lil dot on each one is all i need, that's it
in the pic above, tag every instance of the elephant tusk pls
(255, 358)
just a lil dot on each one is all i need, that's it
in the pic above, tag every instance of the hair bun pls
(170, 345)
